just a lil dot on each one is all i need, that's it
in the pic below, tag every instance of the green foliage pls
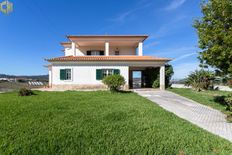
(156, 84)
(228, 101)
(114, 82)
(215, 34)
(168, 75)
(230, 83)
(98, 122)
(200, 80)
(25, 92)
(153, 76)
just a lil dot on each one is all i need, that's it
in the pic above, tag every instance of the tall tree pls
(215, 34)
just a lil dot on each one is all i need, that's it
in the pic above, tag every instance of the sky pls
(35, 28)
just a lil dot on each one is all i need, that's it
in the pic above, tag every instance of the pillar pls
(140, 49)
(162, 78)
(74, 48)
(50, 77)
(107, 46)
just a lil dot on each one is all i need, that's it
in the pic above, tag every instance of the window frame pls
(68, 74)
(106, 72)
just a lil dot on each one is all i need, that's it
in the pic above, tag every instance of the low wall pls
(222, 88)
(83, 87)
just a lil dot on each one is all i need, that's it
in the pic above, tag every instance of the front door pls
(136, 79)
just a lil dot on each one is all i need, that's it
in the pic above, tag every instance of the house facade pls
(89, 58)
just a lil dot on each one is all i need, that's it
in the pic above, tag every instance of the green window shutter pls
(99, 74)
(62, 74)
(116, 71)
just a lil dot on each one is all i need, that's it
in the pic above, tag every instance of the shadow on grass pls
(220, 100)
(124, 92)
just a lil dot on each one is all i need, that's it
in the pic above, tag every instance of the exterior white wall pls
(81, 51)
(123, 50)
(68, 51)
(84, 75)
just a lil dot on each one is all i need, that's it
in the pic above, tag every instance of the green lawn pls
(97, 123)
(203, 97)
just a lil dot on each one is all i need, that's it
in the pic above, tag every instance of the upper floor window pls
(116, 53)
(95, 52)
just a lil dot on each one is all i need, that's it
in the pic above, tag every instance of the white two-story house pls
(89, 58)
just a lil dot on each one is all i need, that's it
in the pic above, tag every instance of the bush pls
(152, 76)
(114, 82)
(230, 83)
(156, 84)
(228, 101)
(25, 92)
(200, 80)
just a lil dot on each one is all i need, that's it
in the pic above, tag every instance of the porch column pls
(140, 49)
(50, 77)
(162, 77)
(107, 45)
(74, 48)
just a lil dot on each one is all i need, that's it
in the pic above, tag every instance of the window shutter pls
(101, 52)
(117, 71)
(99, 74)
(88, 52)
(62, 74)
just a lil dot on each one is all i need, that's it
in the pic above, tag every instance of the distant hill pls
(34, 77)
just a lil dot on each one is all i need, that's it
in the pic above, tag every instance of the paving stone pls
(203, 116)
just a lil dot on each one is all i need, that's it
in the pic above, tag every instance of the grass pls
(97, 123)
(203, 97)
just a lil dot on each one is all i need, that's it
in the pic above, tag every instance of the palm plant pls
(200, 80)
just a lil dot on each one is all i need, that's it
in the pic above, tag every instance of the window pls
(107, 72)
(95, 52)
(65, 74)
(116, 52)
(101, 73)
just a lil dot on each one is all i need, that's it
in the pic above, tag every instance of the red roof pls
(108, 58)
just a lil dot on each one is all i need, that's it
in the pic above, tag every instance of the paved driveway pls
(205, 117)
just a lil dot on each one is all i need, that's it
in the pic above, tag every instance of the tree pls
(215, 34)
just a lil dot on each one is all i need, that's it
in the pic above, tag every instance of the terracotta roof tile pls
(107, 58)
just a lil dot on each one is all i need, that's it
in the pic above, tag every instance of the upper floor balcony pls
(105, 45)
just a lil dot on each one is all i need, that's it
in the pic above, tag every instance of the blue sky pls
(35, 28)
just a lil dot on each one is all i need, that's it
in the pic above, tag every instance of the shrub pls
(152, 76)
(230, 83)
(25, 92)
(228, 101)
(200, 80)
(156, 84)
(114, 82)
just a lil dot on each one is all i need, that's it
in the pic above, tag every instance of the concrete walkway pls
(205, 117)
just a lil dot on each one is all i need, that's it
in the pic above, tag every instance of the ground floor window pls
(65, 74)
(107, 72)
(101, 73)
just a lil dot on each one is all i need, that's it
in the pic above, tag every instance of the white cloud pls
(175, 52)
(175, 4)
(168, 28)
(182, 70)
(184, 56)
(121, 17)
(151, 44)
